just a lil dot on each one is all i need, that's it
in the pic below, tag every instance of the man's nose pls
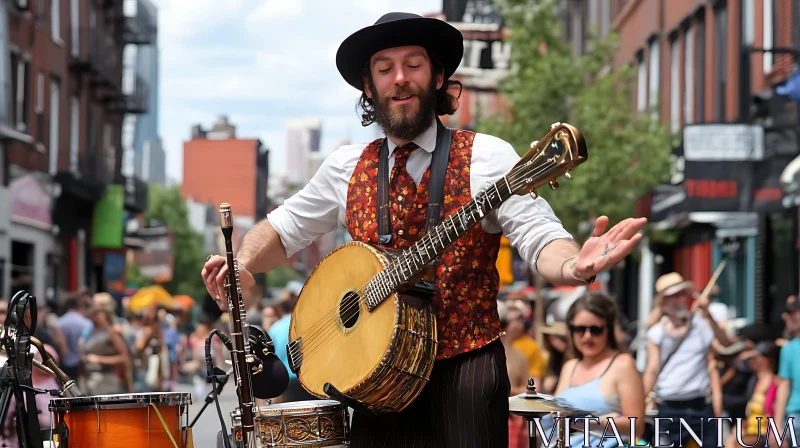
(400, 76)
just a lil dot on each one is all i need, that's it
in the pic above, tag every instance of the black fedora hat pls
(397, 29)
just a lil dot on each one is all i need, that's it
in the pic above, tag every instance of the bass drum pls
(151, 420)
(301, 424)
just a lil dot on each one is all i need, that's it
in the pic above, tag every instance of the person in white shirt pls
(401, 66)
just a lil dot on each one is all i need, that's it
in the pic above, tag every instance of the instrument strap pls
(439, 162)
(164, 424)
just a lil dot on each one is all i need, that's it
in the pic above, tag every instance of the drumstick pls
(713, 281)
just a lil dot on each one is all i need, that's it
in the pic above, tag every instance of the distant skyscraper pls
(302, 139)
(149, 158)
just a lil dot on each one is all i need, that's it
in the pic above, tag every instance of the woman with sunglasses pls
(597, 377)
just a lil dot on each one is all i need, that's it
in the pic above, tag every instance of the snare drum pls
(152, 420)
(313, 423)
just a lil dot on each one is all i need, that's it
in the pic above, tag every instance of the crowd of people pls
(697, 368)
(109, 349)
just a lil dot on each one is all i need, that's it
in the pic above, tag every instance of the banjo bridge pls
(294, 352)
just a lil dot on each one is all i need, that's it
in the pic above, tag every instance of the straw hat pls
(671, 284)
(555, 329)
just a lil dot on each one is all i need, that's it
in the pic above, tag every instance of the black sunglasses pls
(594, 330)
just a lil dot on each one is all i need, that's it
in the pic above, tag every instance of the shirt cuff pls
(280, 219)
(546, 239)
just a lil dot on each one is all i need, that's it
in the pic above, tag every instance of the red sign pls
(711, 189)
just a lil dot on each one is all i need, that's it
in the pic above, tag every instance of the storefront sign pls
(705, 187)
(718, 186)
(29, 200)
(155, 258)
(767, 192)
(723, 142)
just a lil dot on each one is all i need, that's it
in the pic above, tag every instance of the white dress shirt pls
(320, 206)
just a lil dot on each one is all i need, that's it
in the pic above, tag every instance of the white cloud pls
(261, 62)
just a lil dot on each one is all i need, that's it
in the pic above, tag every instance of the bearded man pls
(402, 65)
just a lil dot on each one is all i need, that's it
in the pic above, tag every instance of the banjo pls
(363, 330)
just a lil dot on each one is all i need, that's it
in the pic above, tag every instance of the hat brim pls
(674, 289)
(435, 35)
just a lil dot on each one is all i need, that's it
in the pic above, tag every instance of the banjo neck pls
(412, 260)
(557, 153)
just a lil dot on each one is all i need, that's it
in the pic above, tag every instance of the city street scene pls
(399, 223)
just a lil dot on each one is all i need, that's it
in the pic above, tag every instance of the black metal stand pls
(15, 375)
(220, 382)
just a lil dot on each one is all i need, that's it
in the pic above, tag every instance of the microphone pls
(209, 361)
(273, 378)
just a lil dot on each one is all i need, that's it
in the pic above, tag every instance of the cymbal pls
(536, 405)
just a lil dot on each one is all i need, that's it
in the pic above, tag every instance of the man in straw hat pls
(681, 375)
(402, 65)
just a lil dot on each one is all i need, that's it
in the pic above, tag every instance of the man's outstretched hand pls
(602, 251)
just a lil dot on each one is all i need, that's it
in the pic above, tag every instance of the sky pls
(261, 62)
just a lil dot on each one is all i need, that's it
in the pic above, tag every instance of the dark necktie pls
(402, 189)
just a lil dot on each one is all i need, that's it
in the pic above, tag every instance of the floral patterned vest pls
(467, 280)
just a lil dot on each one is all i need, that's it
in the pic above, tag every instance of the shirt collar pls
(426, 140)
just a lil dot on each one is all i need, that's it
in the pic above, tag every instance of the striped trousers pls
(464, 404)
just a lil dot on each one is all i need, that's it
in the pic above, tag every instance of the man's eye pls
(385, 71)
(413, 66)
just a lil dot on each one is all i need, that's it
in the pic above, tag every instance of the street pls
(204, 431)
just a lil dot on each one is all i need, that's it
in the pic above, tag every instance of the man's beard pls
(396, 122)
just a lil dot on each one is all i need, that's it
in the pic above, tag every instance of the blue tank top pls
(588, 396)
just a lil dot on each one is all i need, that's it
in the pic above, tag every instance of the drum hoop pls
(121, 401)
(309, 408)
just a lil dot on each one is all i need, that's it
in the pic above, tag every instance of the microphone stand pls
(16, 375)
(219, 383)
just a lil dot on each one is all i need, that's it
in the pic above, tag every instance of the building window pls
(38, 109)
(700, 65)
(769, 33)
(605, 18)
(54, 121)
(75, 26)
(55, 20)
(20, 91)
(688, 76)
(748, 22)
(721, 62)
(641, 85)
(654, 72)
(674, 86)
(577, 30)
(74, 133)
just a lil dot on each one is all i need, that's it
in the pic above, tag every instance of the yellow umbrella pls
(150, 295)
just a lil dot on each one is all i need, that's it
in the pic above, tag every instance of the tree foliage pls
(166, 205)
(628, 153)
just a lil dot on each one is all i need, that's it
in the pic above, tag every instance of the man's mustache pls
(402, 91)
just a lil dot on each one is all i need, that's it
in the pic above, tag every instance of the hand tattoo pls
(609, 249)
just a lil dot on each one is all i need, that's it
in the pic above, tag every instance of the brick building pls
(219, 167)
(701, 71)
(64, 103)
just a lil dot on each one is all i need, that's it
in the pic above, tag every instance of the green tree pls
(166, 205)
(628, 153)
